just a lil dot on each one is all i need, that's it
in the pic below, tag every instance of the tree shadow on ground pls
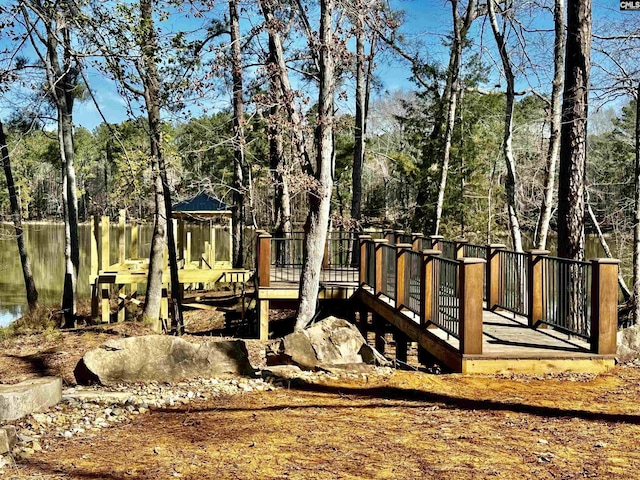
(413, 395)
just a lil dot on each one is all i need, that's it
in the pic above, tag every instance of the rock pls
(29, 396)
(7, 438)
(330, 342)
(161, 358)
(282, 371)
(629, 342)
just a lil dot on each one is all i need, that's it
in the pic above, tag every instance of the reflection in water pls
(45, 244)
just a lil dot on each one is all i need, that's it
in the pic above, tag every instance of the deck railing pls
(566, 295)
(512, 282)
(445, 305)
(578, 298)
(442, 293)
(389, 270)
(413, 280)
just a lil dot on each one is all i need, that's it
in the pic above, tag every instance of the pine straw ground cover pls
(397, 425)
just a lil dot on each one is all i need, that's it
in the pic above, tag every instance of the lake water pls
(45, 242)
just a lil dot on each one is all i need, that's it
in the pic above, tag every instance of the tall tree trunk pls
(507, 143)
(636, 226)
(238, 130)
(163, 227)
(360, 120)
(297, 130)
(62, 76)
(460, 28)
(573, 133)
(277, 157)
(16, 215)
(546, 208)
(320, 197)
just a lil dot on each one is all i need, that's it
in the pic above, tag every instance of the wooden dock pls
(477, 335)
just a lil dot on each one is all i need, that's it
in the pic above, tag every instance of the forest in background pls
(473, 151)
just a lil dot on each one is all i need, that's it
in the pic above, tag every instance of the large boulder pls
(161, 358)
(30, 396)
(629, 342)
(329, 343)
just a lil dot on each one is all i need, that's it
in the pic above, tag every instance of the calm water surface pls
(45, 243)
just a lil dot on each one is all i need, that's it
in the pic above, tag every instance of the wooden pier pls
(494, 312)
(130, 270)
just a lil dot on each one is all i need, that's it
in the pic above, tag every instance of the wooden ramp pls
(508, 344)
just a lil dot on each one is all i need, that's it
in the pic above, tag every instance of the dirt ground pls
(403, 425)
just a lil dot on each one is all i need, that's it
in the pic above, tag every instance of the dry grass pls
(408, 425)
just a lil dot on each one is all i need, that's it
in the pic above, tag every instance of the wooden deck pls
(448, 292)
(509, 345)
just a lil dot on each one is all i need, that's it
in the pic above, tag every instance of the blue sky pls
(427, 21)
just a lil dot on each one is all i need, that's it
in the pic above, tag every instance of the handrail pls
(566, 295)
(550, 291)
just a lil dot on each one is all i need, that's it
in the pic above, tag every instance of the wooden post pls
(122, 229)
(95, 264)
(470, 286)
(134, 253)
(122, 289)
(174, 224)
(263, 258)
(378, 328)
(362, 273)
(104, 260)
(106, 308)
(326, 260)
(187, 256)
(459, 248)
(180, 237)
(363, 322)
(401, 346)
(604, 305)
(426, 286)
(212, 241)
(263, 314)
(416, 241)
(493, 274)
(401, 263)
(135, 248)
(164, 305)
(534, 287)
(105, 243)
(397, 236)
(378, 265)
(436, 242)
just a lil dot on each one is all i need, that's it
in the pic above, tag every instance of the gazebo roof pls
(202, 205)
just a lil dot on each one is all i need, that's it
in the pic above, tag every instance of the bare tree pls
(239, 142)
(320, 196)
(16, 216)
(555, 115)
(461, 25)
(507, 143)
(49, 28)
